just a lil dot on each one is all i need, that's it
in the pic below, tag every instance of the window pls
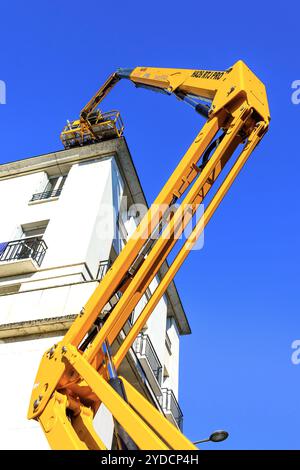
(55, 184)
(31, 244)
(27, 245)
(34, 229)
(53, 188)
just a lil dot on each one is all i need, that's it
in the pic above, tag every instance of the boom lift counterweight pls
(80, 373)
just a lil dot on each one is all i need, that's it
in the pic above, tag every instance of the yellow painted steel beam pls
(222, 87)
(83, 426)
(188, 245)
(57, 427)
(99, 96)
(171, 435)
(144, 437)
(158, 254)
(175, 186)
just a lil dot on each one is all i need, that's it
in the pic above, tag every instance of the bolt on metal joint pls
(52, 351)
(37, 402)
(82, 311)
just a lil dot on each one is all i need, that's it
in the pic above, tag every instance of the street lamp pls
(217, 436)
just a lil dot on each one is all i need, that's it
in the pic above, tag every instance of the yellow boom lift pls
(81, 372)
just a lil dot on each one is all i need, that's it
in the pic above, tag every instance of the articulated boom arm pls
(78, 374)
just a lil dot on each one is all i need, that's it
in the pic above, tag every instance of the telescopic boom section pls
(78, 374)
(99, 96)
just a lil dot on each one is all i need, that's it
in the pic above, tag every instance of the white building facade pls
(64, 220)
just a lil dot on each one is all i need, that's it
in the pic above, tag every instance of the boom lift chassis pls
(80, 372)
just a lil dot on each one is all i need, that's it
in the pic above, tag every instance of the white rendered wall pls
(80, 230)
(79, 234)
(19, 360)
(73, 234)
(45, 303)
(171, 361)
(17, 192)
(18, 363)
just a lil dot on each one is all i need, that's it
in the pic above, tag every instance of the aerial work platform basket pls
(96, 127)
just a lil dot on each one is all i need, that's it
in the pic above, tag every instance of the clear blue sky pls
(241, 292)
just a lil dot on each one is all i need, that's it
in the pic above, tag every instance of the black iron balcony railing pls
(104, 266)
(170, 405)
(144, 347)
(33, 247)
(46, 195)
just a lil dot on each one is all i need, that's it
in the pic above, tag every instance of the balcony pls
(171, 408)
(104, 266)
(148, 358)
(46, 195)
(21, 256)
